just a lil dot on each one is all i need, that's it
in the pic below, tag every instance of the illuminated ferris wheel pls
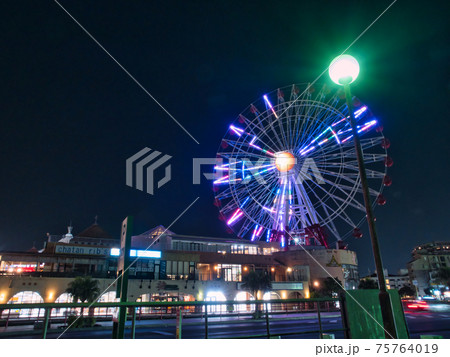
(288, 170)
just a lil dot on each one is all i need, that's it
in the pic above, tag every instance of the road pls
(218, 327)
(428, 323)
(419, 323)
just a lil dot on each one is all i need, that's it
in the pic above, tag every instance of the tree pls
(368, 284)
(442, 277)
(406, 290)
(83, 288)
(331, 287)
(328, 287)
(256, 281)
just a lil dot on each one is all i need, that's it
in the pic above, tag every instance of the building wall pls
(392, 281)
(51, 288)
(426, 261)
(323, 263)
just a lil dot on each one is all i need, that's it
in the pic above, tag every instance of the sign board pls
(287, 286)
(415, 282)
(125, 244)
(75, 249)
(122, 275)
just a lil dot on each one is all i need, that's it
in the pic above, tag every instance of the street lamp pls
(344, 70)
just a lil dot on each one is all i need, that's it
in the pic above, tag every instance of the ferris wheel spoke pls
(261, 137)
(349, 200)
(260, 118)
(285, 114)
(330, 224)
(229, 207)
(313, 123)
(352, 178)
(305, 201)
(357, 189)
(257, 198)
(277, 121)
(320, 117)
(249, 138)
(336, 212)
(224, 195)
(350, 157)
(247, 148)
(244, 228)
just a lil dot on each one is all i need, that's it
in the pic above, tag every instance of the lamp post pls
(344, 70)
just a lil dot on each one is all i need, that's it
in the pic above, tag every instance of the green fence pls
(363, 314)
(208, 314)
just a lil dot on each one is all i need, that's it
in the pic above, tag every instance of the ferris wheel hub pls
(284, 161)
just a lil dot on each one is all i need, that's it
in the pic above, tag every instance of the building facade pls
(168, 267)
(393, 281)
(426, 261)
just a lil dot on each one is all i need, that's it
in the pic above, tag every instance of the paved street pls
(298, 326)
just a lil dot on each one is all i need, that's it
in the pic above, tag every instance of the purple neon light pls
(238, 213)
(304, 152)
(363, 128)
(238, 131)
(270, 105)
(224, 180)
(271, 210)
(335, 136)
(267, 101)
(256, 232)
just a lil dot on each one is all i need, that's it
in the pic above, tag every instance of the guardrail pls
(268, 313)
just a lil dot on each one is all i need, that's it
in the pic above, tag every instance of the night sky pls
(70, 117)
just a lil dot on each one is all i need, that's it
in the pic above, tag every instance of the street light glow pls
(344, 69)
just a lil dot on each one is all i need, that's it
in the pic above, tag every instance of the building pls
(393, 281)
(170, 267)
(323, 263)
(426, 261)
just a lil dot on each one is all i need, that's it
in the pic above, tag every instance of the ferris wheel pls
(287, 169)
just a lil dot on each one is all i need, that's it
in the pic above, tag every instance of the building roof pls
(33, 250)
(94, 231)
(146, 239)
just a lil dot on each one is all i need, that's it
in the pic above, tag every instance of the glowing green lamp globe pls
(344, 69)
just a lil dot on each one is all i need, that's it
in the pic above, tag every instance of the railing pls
(265, 318)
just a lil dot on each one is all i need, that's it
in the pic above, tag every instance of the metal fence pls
(263, 318)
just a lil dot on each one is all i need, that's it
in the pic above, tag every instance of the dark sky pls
(70, 116)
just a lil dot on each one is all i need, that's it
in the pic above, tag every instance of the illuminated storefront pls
(175, 268)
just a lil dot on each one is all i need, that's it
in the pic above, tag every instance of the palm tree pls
(83, 288)
(256, 281)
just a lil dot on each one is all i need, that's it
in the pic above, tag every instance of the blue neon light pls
(140, 253)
